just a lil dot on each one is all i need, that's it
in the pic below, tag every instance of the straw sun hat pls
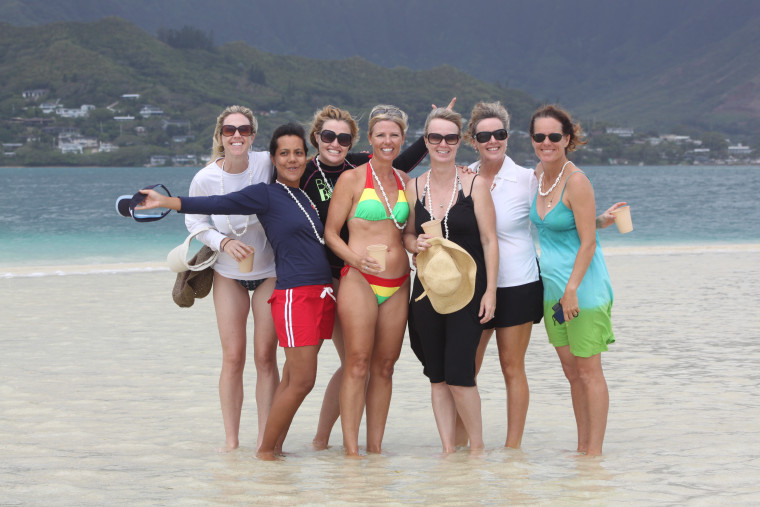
(447, 273)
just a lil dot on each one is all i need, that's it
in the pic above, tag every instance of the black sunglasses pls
(554, 137)
(147, 215)
(328, 136)
(485, 136)
(434, 138)
(229, 130)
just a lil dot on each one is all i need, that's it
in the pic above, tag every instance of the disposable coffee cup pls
(433, 228)
(246, 265)
(623, 219)
(377, 252)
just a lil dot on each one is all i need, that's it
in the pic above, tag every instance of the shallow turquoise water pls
(51, 216)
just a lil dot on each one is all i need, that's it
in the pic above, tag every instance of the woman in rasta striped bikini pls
(372, 302)
(333, 132)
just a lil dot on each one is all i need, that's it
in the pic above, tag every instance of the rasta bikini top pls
(371, 208)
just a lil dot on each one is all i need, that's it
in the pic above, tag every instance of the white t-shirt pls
(513, 190)
(208, 181)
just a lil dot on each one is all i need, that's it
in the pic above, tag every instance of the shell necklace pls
(477, 171)
(247, 217)
(451, 201)
(387, 202)
(314, 227)
(541, 182)
(324, 178)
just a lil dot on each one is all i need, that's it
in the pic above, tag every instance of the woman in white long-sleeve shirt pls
(233, 168)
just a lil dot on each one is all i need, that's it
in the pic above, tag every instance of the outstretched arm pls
(608, 218)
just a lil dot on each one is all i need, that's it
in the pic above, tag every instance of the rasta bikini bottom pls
(382, 287)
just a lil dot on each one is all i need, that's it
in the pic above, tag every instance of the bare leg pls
(467, 401)
(357, 309)
(597, 401)
(298, 381)
(231, 305)
(264, 353)
(461, 436)
(513, 343)
(389, 337)
(445, 412)
(331, 402)
(578, 395)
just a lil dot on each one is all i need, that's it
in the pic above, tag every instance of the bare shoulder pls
(350, 177)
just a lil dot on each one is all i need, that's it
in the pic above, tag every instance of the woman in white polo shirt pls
(519, 296)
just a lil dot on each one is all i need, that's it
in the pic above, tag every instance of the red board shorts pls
(303, 315)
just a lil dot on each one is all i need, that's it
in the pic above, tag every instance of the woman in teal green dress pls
(573, 272)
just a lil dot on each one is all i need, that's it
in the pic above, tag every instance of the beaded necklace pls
(541, 182)
(314, 227)
(387, 202)
(247, 217)
(427, 192)
(324, 178)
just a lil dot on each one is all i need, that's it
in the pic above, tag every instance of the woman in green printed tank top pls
(573, 272)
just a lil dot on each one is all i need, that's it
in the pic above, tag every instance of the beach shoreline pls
(108, 393)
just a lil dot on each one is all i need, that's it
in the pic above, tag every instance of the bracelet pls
(224, 243)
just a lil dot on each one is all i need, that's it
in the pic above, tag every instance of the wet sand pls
(108, 394)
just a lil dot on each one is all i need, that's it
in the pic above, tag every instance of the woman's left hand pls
(569, 302)
(608, 218)
(487, 307)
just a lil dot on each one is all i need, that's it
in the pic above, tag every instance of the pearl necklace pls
(387, 202)
(314, 227)
(541, 182)
(451, 201)
(247, 217)
(324, 178)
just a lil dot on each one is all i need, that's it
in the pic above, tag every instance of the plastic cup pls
(246, 265)
(377, 252)
(623, 219)
(433, 228)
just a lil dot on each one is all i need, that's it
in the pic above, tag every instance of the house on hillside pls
(35, 94)
(148, 111)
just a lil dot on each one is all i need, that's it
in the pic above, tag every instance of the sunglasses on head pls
(229, 130)
(328, 136)
(390, 111)
(437, 138)
(554, 137)
(485, 136)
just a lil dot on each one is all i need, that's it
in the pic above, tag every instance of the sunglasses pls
(229, 130)
(328, 136)
(485, 136)
(553, 137)
(390, 111)
(437, 138)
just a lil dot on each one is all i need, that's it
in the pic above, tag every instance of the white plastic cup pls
(623, 219)
(378, 252)
(246, 265)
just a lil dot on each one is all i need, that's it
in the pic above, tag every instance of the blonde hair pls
(384, 112)
(331, 113)
(482, 111)
(442, 113)
(218, 148)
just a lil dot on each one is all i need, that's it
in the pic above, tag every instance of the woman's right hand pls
(237, 249)
(421, 243)
(152, 200)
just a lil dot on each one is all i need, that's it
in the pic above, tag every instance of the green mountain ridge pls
(95, 63)
(649, 64)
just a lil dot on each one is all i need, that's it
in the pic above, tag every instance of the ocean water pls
(67, 216)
